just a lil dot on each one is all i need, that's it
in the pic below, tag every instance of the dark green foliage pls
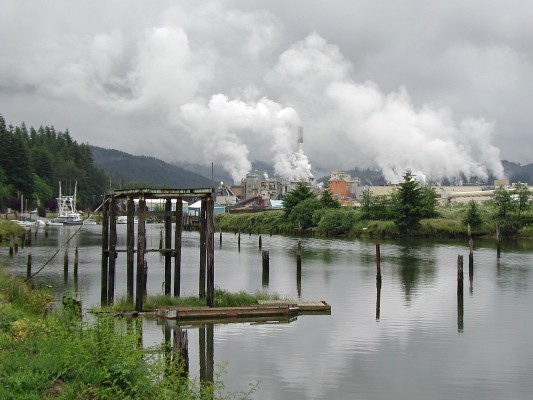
(503, 203)
(408, 204)
(377, 207)
(522, 193)
(473, 215)
(328, 201)
(302, 214)
(32, 164)
(428, 202)
(337, 221)
(300, 193)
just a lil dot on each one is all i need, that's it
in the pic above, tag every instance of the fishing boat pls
(67, 214)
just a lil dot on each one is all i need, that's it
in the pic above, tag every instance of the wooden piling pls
(460, 274)
(168, 245)
(239, 241)
(28, 268)
(220, 238)
(299, 279)
(260, 242)
(141, 249)
(299, 254)
(210, 252)
(498, 241)
(76, 259)
(160, 240)
(105, 256)
(65, 266)
(11, 248)
(112, 251)
(203, 222)
(130, 249)
(177, 246)
(265, 257)
(378, 260)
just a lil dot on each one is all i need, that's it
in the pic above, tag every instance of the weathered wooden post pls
(105, 255)
(299, 254)
(130, 249)
(498, 241)
(299, 279)
(65, 267)
(378, 262)
(210, 251)
(265, 257)
(270, 231)
(460, 274)
(203, 223)
(239, 240)
(168, 247)
(260, 242)
(112, 250)
(141, 249)
(160, 240)
(76, 259)
(28, 268)
(177, 245)
(220, 237)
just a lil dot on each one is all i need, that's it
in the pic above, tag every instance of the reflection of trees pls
(413, 265)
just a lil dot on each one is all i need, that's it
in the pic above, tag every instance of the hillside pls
(145, 170)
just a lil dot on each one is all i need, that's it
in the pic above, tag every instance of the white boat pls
(89, 221)
(67, 214)
(26, 223)
(123, 219)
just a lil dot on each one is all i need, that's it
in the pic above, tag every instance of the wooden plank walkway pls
(301, 305)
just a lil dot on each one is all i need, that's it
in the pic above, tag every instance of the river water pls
(419, 344)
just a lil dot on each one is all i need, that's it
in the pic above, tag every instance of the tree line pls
(34, 161)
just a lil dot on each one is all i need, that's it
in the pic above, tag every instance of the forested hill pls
(33, 162)
(125, 167)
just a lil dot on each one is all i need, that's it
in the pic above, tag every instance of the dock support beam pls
(168, 245)
(203, 223)
(130, 249)
(177, 245)
(210, 251)
(141, 248)
(105, 255)
(112, 251)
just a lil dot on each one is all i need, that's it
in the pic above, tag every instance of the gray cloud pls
(388, 84)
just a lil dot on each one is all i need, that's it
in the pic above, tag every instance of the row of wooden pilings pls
(136, 283)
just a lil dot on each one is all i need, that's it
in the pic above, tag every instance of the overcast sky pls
(441, 87)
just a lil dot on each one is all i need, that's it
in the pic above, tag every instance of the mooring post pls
(112, 250)
(220, 237)
(299, 279)
(260, 242)
(130, 248)
(239, 240)
(210, 251)
(498, 241)
(76, 259)
(177, 245)
(168, 246)
(141, 249)
(160, 240)
(105, 255)
(265, 257)
(28, 268)
(203, 227)
(299, 254)
(65, 265)
(378, 260)
(459, 274)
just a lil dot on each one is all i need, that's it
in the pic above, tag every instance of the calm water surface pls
(419, 347)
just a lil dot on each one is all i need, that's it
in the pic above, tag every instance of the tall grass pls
(64, 357)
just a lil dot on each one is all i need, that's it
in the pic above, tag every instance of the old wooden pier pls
(138, 280)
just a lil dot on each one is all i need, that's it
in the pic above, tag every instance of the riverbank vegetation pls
(33, 161)
(62, 356)
(223, 298)
(8, 229)
(411, 210)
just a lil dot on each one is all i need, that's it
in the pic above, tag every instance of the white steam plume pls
(356, 124)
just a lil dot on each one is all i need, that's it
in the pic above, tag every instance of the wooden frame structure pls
(110, 250)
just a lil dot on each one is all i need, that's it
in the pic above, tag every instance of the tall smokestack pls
(300, 139)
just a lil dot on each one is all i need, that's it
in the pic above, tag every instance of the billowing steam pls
(201, 84)
(355, 124)
(222, 127)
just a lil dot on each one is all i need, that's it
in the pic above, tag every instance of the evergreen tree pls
(300, 193)
(408, 204)
(328, 201)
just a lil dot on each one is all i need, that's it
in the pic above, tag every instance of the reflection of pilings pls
(266, 267)
(460, 309)
(180, 347)
(498, 241)
(206, 350)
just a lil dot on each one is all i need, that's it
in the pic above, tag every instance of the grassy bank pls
(449, 223)
(61, 356)
(223, 298)
(9, 229)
